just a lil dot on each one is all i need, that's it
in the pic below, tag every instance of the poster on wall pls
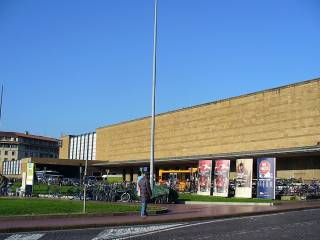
(205, 171)
(266, 171)
(244, 178)
(221, 178)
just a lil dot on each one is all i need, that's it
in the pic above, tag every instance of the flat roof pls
(16, 134)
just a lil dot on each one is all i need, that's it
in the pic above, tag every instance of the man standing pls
(145, 192)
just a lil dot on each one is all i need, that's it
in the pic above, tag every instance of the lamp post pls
(154, 75)
(85, 186)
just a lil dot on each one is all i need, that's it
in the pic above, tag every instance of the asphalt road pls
(292, 225)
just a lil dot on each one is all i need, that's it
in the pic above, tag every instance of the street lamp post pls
(85, 186)
(154, 75)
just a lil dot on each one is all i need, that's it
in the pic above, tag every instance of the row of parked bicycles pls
(97, 191)
(297, 187)
(287, 187)
(100, 191)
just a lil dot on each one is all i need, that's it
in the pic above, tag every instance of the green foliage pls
(114, 179)
(14, 207)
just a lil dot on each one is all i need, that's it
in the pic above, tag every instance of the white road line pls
(213, 221)
(127, 232)
(25, 236)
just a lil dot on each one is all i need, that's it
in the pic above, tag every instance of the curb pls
(229, 203)
(78, 215)
(153, 221)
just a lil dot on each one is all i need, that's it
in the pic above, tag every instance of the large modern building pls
(283, 122)
(16, 146)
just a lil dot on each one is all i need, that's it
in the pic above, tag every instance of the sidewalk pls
(176, 213)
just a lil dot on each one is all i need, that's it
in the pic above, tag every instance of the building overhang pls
(58, 161)
(279, 153)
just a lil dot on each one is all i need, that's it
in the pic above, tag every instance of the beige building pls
(282, 122)
(16, 146)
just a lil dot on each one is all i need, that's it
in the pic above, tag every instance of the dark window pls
(5, 152)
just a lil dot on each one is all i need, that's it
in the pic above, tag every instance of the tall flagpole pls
(154, 76)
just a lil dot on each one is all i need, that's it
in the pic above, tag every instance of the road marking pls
(25, 236)
(127, 232)
(212, 221)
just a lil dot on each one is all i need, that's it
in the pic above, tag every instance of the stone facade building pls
(283, 122)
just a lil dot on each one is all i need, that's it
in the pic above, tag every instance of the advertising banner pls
(244, 178)
(30, 172)
(221, 178)
(24, 178)
(205, 171)
(266, 171)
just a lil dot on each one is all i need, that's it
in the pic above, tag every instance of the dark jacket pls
(145, 190)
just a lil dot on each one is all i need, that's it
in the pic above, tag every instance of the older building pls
(282, 122)
(15, 146)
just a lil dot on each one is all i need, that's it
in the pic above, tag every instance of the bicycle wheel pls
(125, 197)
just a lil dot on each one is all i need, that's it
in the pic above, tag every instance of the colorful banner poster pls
(244, 178)
(266, 171)
(30, 172)
(205, 171)
(221, 178)
(24, 178)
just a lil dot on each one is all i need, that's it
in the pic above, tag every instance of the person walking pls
(145, 192)
(3, 185)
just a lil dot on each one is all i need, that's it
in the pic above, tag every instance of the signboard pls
(144, 169)
(205, 171)
(30, 172)
(266, 171)
(221, 178)
(244, 178)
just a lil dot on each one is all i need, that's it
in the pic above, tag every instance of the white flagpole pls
(154, 76)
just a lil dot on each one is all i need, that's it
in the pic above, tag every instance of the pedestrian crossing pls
(26, 236)
(102, 234)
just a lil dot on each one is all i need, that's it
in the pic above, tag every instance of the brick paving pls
(176, 213)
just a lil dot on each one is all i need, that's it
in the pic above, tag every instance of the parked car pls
(43, 176)
(70, 182)
(90, 180)
(54, 179)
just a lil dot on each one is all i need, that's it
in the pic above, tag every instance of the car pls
(54, 179)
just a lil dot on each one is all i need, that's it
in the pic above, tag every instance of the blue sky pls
(72, 66)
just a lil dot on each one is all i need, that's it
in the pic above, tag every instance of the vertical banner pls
(221, 178)
(266, 178)
(244, 178)
(205, 171)
(30, 172)
(24, 178)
